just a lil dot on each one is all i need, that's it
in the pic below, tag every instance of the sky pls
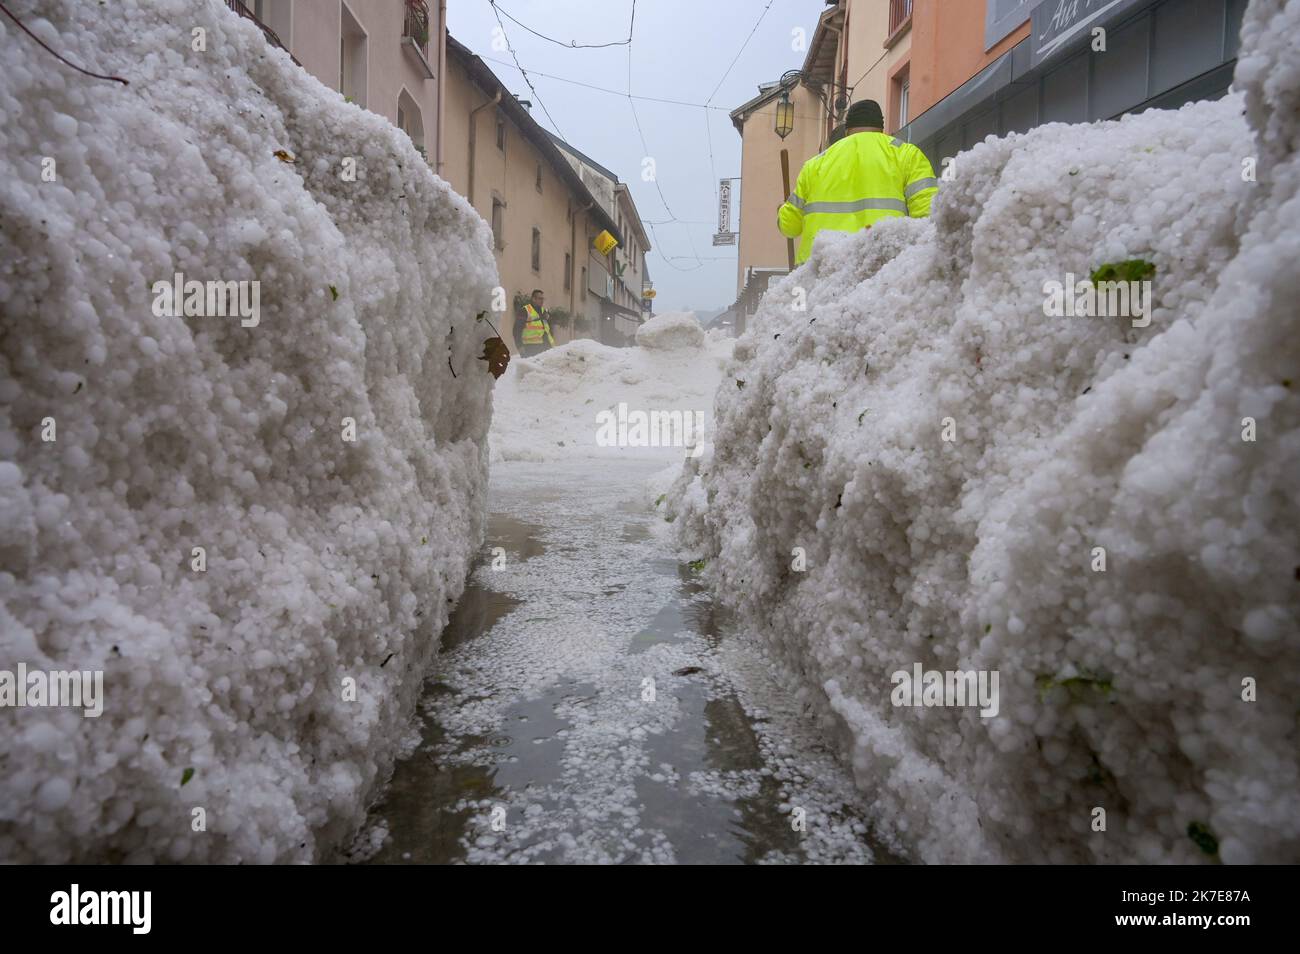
(681, 50)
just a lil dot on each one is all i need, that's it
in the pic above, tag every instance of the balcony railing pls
(271, 36)
(900, 11)
(416, 27)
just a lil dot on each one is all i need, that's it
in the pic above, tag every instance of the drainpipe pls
(442, 85)
(473, 125)
(573, 259)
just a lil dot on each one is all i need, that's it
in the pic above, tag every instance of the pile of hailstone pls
(671, 331)
(252, 526)
(926, 467)
(566, 402)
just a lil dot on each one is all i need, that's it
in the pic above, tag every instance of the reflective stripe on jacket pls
(861, 179)
(536, 327)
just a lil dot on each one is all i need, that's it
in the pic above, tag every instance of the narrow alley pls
(473, 432)
(557, 728)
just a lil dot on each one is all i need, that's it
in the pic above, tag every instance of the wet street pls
(590, 704)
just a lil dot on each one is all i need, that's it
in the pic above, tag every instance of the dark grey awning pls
(1159, 53)
(979, 88)
(1059, 26)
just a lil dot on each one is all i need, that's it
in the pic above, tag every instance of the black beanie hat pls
(865, 112)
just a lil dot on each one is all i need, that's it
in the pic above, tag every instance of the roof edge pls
(481, 74)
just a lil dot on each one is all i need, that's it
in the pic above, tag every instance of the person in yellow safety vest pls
(863, 178)
(532, 327)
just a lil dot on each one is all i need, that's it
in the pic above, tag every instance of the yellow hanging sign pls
(604, 242)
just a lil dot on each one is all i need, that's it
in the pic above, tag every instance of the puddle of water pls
(716, 747)
(479, 608)
(692, 612)
(530, 746)
(712, 759)
(701, 791)
(420, 802)
(520, 540)
(423, 828)
(635, 533)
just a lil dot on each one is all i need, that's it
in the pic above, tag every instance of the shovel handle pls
(785, 181)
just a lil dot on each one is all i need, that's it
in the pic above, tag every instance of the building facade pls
(1029, 62)
(631, 275)
(949, 73)
(856, 51)
(545, 202)
(544, 214)
(383, 55)
(616, 281)
(761, 251)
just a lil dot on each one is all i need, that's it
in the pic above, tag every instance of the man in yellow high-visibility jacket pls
(865, 177)
(532, 329)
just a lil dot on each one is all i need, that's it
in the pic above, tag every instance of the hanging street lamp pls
(785, 108)
(784, 115)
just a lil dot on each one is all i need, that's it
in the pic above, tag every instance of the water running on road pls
(554, 728)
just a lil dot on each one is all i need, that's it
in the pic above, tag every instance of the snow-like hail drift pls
(551, 407)
(1125, 689)
(226, 681)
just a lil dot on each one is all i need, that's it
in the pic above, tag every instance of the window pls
(501, 132)
(900, 94)
(539, 177)
(899, 12)
(584, 283)
(498, 223)
(276, 14)
(568, 271)
(352, 57)
(537, 250)
(410, 121)
(1003, 17)
(416, 25)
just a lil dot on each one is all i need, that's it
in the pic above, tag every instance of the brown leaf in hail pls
(497, 355)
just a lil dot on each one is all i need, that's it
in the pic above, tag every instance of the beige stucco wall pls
(590, 293)
(617, 201)
(761, 244)
(311, 29)
(511, 175)
(631, 254)
(862, 51)
(459, 100)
